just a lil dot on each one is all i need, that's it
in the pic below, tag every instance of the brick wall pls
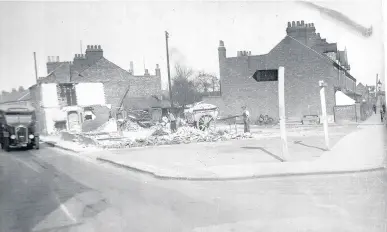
(303, 69)
(116, 81)
(144, 86)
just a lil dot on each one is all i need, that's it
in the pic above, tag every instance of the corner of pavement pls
(359, 151)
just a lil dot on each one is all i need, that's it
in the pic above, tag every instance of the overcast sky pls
(134, 31)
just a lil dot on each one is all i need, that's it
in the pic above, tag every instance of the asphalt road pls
(50, 190)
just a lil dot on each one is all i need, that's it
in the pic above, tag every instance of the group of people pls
(382, 111)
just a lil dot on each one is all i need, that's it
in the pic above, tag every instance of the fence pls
(353, 113)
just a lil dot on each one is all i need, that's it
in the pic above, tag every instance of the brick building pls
(94, 67)
(307, 58)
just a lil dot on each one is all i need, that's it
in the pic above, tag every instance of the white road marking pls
(65, 209)
(67, 212)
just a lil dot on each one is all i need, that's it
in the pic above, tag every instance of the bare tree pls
(207, 82)
(183, 72)
(183, 88)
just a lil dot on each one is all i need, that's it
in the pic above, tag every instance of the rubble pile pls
(184, 135)
(108, 127)
(130, 125)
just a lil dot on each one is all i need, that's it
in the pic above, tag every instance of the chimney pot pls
(57, 58)
(302, 23)
(48, 59)
(157, 66)
(221, 43)
(293, 24)
(289, 24)
(88, 46)
(298, 23)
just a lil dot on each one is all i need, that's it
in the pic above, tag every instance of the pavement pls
(53, 190)
(259, 157)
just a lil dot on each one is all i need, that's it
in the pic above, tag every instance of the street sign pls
(266, 75)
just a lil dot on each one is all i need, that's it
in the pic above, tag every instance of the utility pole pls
(282, 116)
(278, 75)
(36, 69)
(322, 85)
(169, 72)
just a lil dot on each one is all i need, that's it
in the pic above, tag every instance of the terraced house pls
(94, 67)
(307, 58)
(68, 77)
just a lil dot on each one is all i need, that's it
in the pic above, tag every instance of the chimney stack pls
(158, 72)
(146, 72)
(131, 68)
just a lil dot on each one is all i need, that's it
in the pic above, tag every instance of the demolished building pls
(90, 79)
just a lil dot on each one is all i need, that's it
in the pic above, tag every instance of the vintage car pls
(201, 115)
(18, 127)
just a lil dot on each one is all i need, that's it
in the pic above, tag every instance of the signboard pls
(266, 75)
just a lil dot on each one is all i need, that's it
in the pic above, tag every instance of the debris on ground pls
(130, 125)
(109, 127)
(183, 135)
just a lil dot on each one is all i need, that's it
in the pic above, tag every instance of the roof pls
(15, 96)
(146, 103)
(60, 74)
(95, 72)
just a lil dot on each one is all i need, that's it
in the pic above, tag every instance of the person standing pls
(246, 119)
(374, 107)
(172, 119)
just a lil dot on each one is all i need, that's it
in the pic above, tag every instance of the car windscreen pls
(18, 117)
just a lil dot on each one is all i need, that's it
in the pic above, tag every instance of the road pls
(50, 190)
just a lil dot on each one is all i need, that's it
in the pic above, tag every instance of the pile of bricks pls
(183, 135)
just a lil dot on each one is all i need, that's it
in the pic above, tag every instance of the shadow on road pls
(266, 151)
(306, 145)
(32, 196)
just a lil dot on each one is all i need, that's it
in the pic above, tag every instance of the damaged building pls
(90, 79)
(307, 59)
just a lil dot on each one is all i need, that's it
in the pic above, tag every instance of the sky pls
(134, 31)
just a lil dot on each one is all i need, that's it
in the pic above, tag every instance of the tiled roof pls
(61, 74)
(102, 70)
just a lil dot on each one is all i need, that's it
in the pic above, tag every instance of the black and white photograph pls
(193, 116)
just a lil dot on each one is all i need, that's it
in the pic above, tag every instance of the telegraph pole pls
(36, 69)
(169, 72)
(282, 116)
(322, 85)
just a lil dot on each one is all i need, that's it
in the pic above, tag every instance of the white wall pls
(49, 95)
(90, 94)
